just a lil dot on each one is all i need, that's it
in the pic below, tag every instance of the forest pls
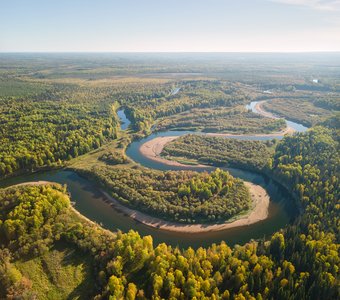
(46, 130)
(304, 112)
(181, 196)
(220, 151)
(202, 94)
(301, 261)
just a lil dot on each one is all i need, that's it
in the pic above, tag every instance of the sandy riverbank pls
(258, 213)
(287, 130)
(153, 148)
(263, 112)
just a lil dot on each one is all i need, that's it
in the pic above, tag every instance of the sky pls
(169, 25)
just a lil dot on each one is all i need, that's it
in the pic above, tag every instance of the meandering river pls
(90, 202)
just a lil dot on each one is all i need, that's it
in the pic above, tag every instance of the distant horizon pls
(175, 52)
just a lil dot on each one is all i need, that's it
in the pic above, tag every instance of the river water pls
(90, 202)
(124, 121)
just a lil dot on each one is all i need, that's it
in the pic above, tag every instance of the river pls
(124, 121)
(90, 202)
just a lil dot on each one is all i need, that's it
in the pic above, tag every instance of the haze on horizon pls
(170, 26)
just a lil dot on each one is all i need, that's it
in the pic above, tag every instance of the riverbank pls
(259, 212)
(260, 110)
(263, 112)
(287, 130)
(153, 148)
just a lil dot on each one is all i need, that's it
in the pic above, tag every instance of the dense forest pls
(302, 111)
(223, 120)
(220, 151)
(46, 130)
(192, 94)
(300, 262)
(331, 101)
(182, 196)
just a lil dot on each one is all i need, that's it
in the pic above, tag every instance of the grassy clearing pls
(92, 159)
(62, 273)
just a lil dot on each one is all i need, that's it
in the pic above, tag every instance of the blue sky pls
(169, 25)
